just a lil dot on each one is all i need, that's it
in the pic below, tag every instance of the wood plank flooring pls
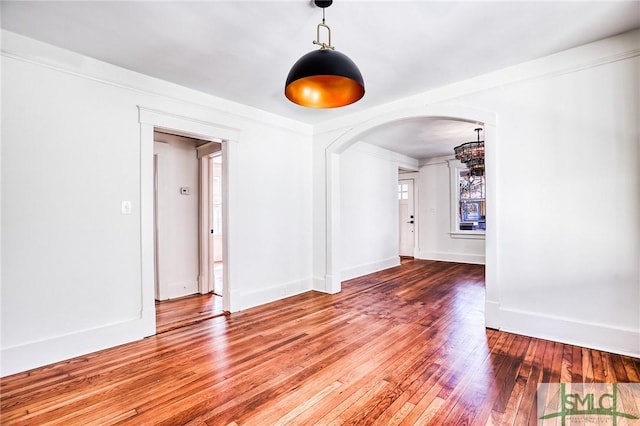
(405, 346)
(176, 313)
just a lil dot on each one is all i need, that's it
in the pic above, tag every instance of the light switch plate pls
(125, 207)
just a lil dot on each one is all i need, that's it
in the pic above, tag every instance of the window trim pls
(455, 167)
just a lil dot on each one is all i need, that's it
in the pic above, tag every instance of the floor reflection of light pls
(219, 345)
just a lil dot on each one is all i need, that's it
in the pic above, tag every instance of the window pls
(403, 191)
(468, 203)
(471, 202)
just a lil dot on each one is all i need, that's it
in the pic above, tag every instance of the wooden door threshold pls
(185, 323)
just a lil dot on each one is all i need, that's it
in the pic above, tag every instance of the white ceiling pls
(423, 137)
(243, 50)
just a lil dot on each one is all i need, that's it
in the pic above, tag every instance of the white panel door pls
(406, 216)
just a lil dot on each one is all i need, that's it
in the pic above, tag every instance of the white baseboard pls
(477, 259)
(595, 336)
(318, 284)
(181, 289)
(249, 299)
(360, 270)
(326, 284)
(37, 354)
(492, 314)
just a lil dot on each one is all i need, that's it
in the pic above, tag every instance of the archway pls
(332, 182)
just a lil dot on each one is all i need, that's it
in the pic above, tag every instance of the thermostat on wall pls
(185, 190)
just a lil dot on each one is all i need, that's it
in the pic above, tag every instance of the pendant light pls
(472, 155)
(324, 78)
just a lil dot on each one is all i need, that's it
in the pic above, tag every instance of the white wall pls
(71, 152)
(71, 146)
(178, 251)
(563, 175)
(369, 210)
(272, 220)
(570, 248)
(434, 212)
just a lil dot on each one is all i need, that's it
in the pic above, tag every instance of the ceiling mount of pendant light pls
(472, 155)
(324, 78)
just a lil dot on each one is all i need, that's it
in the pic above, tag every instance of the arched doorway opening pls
(332, 186)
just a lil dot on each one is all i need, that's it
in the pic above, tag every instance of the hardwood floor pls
(403, 346)
(177, 313)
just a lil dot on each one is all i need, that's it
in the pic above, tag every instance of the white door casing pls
(150, 119)
(205, 278)
(211, 233)
(216, 223)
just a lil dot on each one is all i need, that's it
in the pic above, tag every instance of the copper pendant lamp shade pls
(324, 78)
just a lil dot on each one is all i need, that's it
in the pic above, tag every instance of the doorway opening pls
(333, 231)
(188, 229)
(213, 230)
(406, 217)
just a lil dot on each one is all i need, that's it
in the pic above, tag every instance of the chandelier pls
(471, 154)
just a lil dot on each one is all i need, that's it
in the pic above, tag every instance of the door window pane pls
(403, 191)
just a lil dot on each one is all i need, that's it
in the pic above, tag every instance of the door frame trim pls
(149, 120)
(206, 278)
(203, 224)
